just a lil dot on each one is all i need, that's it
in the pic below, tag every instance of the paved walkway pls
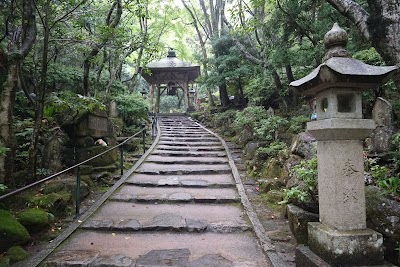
(180, 207)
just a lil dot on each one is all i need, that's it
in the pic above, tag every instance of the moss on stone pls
(11, 231)
(35, 220)
(55, 203)
(17, 254)
(5, 261)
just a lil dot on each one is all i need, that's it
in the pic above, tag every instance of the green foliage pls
(268, 128)
(395, 153)
(3, 188)
(298, 124)
(67, 106)
(3, 150)
(272, 150)
(132, 108)
(292, 194)
(223, 121)
(391, 185)
(248, 118)
(306, 171)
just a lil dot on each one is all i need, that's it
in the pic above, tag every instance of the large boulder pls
(383, 216)
(66, 185)
(53, 150)
(12, 233)
(304, 145)
(35, 220)
(56, 203)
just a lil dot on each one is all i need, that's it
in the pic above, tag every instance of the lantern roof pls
(340, 70)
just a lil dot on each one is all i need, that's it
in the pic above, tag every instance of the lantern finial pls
(335, 42)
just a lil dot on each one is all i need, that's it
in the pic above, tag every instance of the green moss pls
(35, 219)
(17, 254)
(55, 203)
(4, 261)
(11, 231)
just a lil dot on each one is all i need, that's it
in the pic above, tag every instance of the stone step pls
(192, 148)
(179, 169)
(189, 139)
(123, 216)
(189, 144)
(93, 248)
(199, 135)
(166, 153)
(130, 193)
(187, 160)
(214, 180)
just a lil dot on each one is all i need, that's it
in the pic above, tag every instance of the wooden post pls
(151, 97)
(158, 99)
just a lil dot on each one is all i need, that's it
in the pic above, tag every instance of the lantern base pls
(346, 248)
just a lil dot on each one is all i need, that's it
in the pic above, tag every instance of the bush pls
(223, 121)
(132, 108)
(298, 124)
(268, 129)
(272, 150)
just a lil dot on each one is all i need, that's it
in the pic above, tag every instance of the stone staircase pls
(179, 208)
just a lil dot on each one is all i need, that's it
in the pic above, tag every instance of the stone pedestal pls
(346, 248)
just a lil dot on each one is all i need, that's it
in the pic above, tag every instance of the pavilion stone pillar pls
(157, 108)
(341, 238)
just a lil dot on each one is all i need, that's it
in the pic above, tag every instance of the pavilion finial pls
(335, 42)
(171, 52)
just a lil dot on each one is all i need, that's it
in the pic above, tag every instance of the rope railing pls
(77, 167)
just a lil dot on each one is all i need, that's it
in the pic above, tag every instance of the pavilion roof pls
(171, 69)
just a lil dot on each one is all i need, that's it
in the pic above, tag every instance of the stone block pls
(306, 258)
(298, 222)
(340, 129)
(346, 248)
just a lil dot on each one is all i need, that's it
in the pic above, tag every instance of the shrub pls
(298, 124)
(272, 150)
(132, 108)
(268, 128)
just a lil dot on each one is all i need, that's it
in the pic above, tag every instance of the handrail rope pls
(66, 170)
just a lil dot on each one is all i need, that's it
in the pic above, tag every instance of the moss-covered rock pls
(55, 203)
(273, 169)
(4, 261)
(12, 233)
(17, 254)
(35, 220)
(383, 216)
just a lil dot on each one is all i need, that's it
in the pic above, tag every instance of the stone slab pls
(187, 160)
(188, 153)
(240, 249)
(157, 169)
(190, 148)
(209, 180)
(164, 194)
(144, 213)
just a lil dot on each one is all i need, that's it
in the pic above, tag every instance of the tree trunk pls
(7, 138)
(223, 95)
(9, 85)
(41, 93)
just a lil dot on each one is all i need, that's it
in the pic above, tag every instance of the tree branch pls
(240, 46)
(355, 13)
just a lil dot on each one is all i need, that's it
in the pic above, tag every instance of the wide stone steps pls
(191, 180)
(176, 195)
(179, 208)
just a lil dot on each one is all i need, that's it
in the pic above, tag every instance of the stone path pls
(180, 207)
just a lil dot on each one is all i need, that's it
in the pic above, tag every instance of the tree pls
(379, 22)
(20, 33)
(112, 22)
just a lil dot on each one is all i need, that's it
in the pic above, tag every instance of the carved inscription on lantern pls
(348, 168)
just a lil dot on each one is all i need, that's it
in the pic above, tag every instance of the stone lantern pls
(341, 238)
